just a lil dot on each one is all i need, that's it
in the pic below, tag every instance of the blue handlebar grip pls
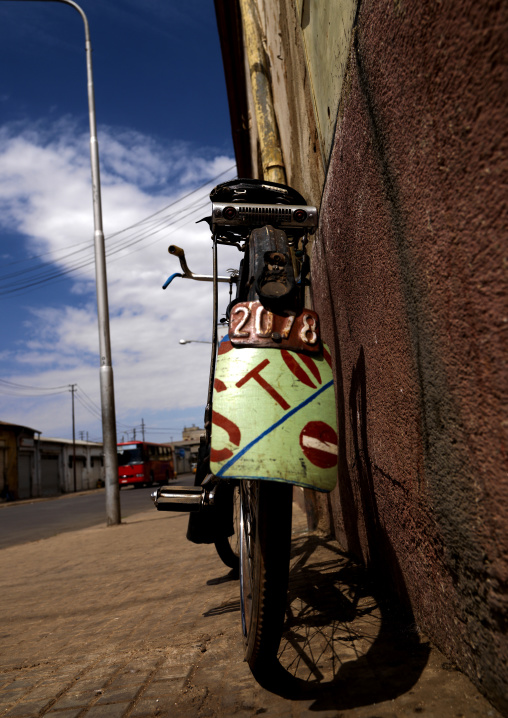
(170, 279)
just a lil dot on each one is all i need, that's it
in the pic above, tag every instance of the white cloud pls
(45, 195)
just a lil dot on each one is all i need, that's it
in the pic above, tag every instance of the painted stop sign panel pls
(274, 416)
(319, 444)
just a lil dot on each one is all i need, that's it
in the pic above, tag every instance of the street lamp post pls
(106, 368)
(193, 341)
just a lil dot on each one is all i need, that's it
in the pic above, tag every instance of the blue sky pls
(164, 136)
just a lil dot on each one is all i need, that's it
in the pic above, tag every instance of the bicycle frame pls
(291, 436)
(270, 414)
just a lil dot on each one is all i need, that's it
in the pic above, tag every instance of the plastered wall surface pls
(327, 32)
(409, 276)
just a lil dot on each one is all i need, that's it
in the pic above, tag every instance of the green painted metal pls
(274, 417)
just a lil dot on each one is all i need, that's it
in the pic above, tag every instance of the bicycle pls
(270, 413)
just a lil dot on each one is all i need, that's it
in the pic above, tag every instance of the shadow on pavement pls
(231, 607)
(341, 646)
(230, 576)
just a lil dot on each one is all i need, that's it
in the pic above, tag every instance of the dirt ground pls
(134, 620)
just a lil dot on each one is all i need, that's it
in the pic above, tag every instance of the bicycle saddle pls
(257, 192)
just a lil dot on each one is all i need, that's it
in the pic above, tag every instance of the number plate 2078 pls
(252, 325)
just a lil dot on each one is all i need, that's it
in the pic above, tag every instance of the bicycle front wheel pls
(265, 528)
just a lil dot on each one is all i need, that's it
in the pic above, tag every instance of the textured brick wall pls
(410, 279)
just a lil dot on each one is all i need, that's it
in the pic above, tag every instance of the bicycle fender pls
(274, 417)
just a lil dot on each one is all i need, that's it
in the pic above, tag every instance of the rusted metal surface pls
(271, 274)
(252, 325)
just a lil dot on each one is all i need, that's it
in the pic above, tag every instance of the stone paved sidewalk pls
(135, 621)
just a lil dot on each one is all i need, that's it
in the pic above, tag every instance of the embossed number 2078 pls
(263, 324)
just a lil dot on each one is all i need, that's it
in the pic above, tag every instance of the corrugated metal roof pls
(18, 426)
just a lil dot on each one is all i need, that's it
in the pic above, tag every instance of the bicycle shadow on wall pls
(340, 646)
(345, 645)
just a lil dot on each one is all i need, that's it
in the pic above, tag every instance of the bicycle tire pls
(265, 524)
(228, 547)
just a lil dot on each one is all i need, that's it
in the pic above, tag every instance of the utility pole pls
(106, 368)
(73, 389)
(143, 428)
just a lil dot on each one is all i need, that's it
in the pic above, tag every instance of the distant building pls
(18, 466)
(57, 466)
(31, 466)
(186, 450)
(193, 433)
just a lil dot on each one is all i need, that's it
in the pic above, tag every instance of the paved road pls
(35, 520)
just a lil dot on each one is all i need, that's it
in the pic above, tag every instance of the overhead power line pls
(135, 224)
(36, 388)
(117, 243)
(9, 388)
(47, 271)
(6, 392)
(91, 409)
(50, 272)
(29, 391)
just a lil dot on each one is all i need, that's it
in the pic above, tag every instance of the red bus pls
(141, 463)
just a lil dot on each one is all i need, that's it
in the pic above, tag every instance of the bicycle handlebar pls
(187, 274)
